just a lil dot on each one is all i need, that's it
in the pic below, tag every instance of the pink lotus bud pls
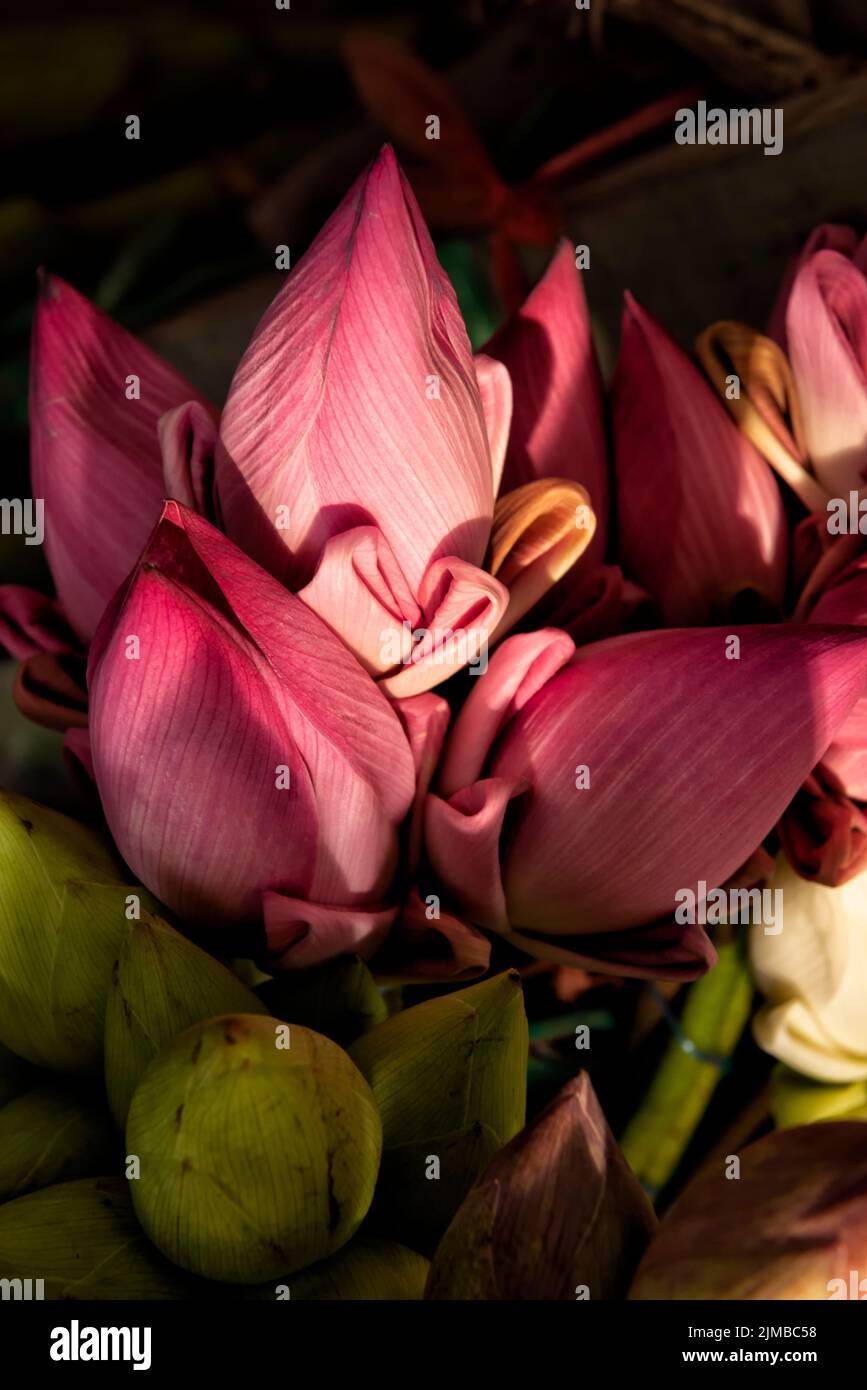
(242, 754)
(581, 791)
(354, 461)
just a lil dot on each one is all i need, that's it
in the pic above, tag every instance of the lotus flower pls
(358, 459)
(246, 757)
(580, 790)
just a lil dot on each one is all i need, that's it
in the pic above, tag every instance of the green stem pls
(716, 1012)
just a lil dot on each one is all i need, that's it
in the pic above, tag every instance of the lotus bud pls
(792, 1225)
(162, 984)
(557, 1214)
(258, 1146)
(339, 999)
(801, 1100)
(61, 916)
(83, 1241)
(450, 1080)
(362, 1270)
(49, 1136)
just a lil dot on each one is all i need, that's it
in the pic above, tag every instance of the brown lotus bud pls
(557, 1214)
(789, 1220)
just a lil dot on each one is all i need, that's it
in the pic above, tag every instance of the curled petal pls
(826, 324)
(31, 622)
(300, 933)
(50, 690)
(462, 837)
(188, 439)
(766, 408)
(520, 667)
(557, 425)
(664, 950)
(540, 530)
(424, 946)
(827, 237)
(95, 451)
(824, 832)
(702, 521)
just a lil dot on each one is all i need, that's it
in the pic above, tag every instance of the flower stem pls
(714, 1016)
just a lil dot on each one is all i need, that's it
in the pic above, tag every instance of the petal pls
(540, 531)
(462, 607)
(827, 334)
(823, 832)
(520, 667)
(495, 390)
(845, 601)
(662, 950)
(827, 237)
(50, 690)
(300, 933)
(766, 408)
(426, 948)
(188, 440)
(31, 622)
(557, 424)
(701, 515)
(812, 976)
(356, 402)
(425, 719)
(462, 837)
(95, 454)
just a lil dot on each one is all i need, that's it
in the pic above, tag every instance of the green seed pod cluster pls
(161, 985)
(61, 914)
(259, 1147)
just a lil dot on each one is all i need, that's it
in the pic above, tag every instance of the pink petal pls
(495, 390)
(702, 521)
(237, 680)
(845, 601)
(520, 667)
(31, 622)
(95, 454)
(188, 439)
(424, 948)
(462, 836)
(425, 719)
(827, 237)
(300, 934)
(356, 402)
(826, 323)
(557, 426)
(823, 832)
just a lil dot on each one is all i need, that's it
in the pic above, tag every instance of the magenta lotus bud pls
(242, 754)
(581, 791)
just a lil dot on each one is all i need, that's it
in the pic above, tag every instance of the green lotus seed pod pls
(340, 999)
(83, 1241)
(363, 1270)
(61, 913)
(49, 1136)
(450, 1080)
(259, 1145)
(162, 984)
